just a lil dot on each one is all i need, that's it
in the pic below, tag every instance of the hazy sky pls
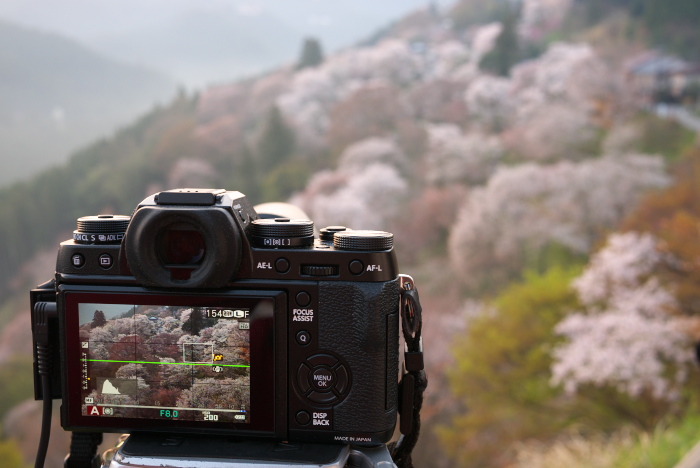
(87, 311)
(337, 21)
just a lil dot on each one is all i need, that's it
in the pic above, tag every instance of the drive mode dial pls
(101, 229)
(282, 233)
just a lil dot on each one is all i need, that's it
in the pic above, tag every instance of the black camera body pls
(196, 315)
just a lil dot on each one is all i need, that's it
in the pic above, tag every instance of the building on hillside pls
(660, 78)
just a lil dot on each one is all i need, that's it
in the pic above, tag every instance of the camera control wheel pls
(372, 241)
(323, 379)
(101, 229)
(282, 233)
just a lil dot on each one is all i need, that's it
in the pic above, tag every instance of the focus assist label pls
(303, 315)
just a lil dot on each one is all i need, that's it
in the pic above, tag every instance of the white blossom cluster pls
(538, 17)
(313, 92)
(365, 192)
(570, 73)
(490, 102)
(526, 207)
(455, 157)
(627, 336)
(373, 150)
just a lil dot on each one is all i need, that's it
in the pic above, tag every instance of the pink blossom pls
(626, 337)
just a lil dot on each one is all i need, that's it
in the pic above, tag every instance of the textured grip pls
(353, 323)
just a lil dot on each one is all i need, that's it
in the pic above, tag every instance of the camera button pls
(322, 360)
(303, 418)
(357, 267)
(323, 379)
(322, 398)
(282, 265)
(341, 383)
(303, 378)
(78, 260)
(303, 337)
(106, 261)
(303, 299)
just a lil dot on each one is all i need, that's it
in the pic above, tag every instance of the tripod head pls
(153, 450)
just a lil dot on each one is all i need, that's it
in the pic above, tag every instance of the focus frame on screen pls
(137, 359)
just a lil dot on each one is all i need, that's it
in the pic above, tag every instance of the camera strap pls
(414, 380)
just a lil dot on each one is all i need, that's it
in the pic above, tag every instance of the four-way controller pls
(323, 379)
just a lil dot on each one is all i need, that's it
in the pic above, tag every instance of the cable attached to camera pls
(42, 314)
(414, 380)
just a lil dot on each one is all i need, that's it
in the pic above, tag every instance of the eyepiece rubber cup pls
(221, 239)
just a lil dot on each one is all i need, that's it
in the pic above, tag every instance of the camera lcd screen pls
(171, 361)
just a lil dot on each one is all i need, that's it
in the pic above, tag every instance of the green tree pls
(284, 180)
(506, 50)
(98, 320)
(311, 54)
(502, 374)
(276, 143)
(10, 454)
(467, 13)
(16, 383)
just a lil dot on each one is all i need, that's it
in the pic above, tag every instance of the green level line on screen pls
(168, 363)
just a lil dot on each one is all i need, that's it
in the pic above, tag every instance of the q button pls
(303, 338)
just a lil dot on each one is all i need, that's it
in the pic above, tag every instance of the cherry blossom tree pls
(526, 208)
(538, 17)
(626, 337)
(371, 111)
(489, 101)
(361, 199)
(313, 92)
(189, 172)
(557, 131)
(454, 157)
(438, 101)
(217, 393)
(373, 150)
(568, 73)
(483, 41)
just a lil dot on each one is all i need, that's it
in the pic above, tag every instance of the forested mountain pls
(540, 204)
(56, 95)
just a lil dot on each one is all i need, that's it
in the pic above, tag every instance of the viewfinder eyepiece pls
(182, 245)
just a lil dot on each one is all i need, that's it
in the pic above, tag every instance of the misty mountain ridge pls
(207, 46)
(57, 95)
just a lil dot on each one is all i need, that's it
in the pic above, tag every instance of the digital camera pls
(195, 314)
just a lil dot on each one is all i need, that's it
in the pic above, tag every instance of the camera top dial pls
(363, 240)
(282, 233)
(101, 229)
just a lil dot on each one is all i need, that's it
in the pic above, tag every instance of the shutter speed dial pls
(363, 240)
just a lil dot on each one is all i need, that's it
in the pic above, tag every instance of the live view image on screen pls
(165, 362)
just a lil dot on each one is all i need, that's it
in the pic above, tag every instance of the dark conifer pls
(311, 54)
(98, 320)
